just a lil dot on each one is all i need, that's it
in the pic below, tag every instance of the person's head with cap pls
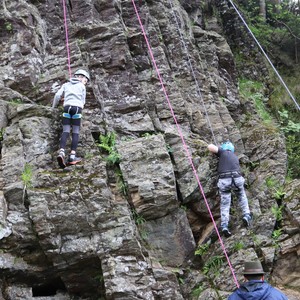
(253, 270)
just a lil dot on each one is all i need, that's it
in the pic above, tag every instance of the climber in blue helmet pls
(74, 93)
(255, 287)
(230, 179)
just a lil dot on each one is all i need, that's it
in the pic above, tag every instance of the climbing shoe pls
(61, 159)
(226, 232)
(247, 220)
(74, 160)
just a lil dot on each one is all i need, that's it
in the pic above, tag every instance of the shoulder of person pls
(278, 293)
(82, 85)
(233, 296)
(68, 83)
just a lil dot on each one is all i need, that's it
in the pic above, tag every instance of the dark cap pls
(253, 267)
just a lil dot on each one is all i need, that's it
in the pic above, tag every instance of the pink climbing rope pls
(184, 143)
(67, 37)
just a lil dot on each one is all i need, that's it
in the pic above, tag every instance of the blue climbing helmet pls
(227, 146)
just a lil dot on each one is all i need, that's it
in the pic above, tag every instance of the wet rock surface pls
(129, 229)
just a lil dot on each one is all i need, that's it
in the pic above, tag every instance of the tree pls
(275, 5)
(262, 9)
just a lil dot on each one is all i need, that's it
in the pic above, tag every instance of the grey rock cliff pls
(129, 230)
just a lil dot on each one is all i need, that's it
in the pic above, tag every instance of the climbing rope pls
(67, 37)
(192, 71)
(183, 140)
(265, 54)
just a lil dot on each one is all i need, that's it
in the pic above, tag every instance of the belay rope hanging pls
(67, 37)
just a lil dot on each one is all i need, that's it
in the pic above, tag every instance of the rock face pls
(129, 228)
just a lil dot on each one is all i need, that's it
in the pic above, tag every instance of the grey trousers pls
(226, 186)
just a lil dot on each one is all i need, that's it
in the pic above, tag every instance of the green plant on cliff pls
(288, 121)
(277, 212)
(291, 130)
(107, 143)
(146, 135)
(202, 249)
(80, 41)
(197, 290)
(254, 91)
(211, 270)
(212, 266)
(27, 175)
(238, 245)
(1, 134)
(99, 278)
(140, 222)
(16, 101)
(288, 125)
(279, 193)
(259, 101)
(277, 190)
(169, 149)
(121, 184)
(293, 150)
(8, 26)
(276, 236)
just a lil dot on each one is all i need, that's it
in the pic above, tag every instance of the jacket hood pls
(74, 80)
(260, 290)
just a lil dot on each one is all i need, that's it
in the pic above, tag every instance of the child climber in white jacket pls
(74, 93)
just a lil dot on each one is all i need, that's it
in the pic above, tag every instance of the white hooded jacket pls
(74, 93)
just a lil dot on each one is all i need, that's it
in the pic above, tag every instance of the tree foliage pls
(278, 25)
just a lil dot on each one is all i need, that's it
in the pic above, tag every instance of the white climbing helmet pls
(83, 73)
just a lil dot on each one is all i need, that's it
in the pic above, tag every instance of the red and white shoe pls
(74, 161)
